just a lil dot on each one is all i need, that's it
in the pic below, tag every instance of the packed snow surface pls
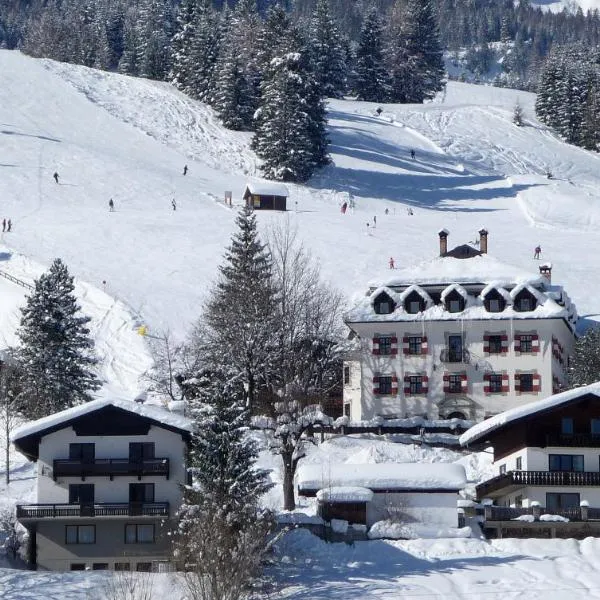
(345, 494)
(389, 476)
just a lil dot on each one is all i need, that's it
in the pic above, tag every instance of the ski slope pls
(111, 136)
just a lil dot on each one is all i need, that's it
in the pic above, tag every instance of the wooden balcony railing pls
(104, 509)
(504, 513)
(110, 467)
(549, 478)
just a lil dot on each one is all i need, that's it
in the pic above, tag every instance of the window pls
(494, 305)
(122, 566)
(566, 462)
(518, 501)
(346, 375)
(495, 344)
(526, 343)
(144, 566)
(495, 383)
(454, 306)
(416, 384)
(142, 492)
(80, 534)
(99, 566)
(81, 493)
(502, 469)
(455, 383)
(77, 566)
(414, 306)
(526, 382)
(385, 344)
(385, 385)
(82, 452)
(347, 409)
(455, 348)
(519, 464)
(139, 451)
(414, 344)
(383, 304)
(558, 501)
(595, 426)
(139, 534)
(566, 426)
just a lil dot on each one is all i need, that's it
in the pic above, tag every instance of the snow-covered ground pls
(110, 136)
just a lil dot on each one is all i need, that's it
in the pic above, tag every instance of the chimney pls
(546, 271)
(483, 235)
(443, 241)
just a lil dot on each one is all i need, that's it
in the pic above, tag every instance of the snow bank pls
(267, 188)
(401, 531)
(345, 494)
(382, 476)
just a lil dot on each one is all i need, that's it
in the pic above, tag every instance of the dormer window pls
(494, 302)
(383, 304)
(414, 303)
(524, 302)
(454, 301)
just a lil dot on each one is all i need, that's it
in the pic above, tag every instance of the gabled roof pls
(481, 430)
(267, 188)
(382, 477)
(27, 437)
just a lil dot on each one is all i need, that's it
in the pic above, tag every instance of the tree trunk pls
(7, 449)
(289, 500)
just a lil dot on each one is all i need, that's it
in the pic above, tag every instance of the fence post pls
(584, 513)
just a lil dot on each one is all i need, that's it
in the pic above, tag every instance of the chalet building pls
(461, 336)
(547, 465)
(109, 481)
(362, 494)
(266, 195)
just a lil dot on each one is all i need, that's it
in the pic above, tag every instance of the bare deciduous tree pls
(126, 585)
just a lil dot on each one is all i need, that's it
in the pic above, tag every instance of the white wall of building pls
(436, 402)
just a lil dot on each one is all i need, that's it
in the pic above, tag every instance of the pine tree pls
(584, 364)
(414, 53)
(290, 136)
(56, 351)
(327, 52)
(371, 75)
(239, 317)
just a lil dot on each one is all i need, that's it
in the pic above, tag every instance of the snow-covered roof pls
(382, 476)
(152, 412)
(447, 269)
(267, 188)
(345, 494)
(496, 422)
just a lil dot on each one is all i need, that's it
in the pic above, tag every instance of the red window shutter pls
(486, 383)
(517, 343)
(505, 382)
(405, 349)
(504, 338)
(486, 343)
(537, 383)
(394, 346)
(394, 384)
(406, 384)
(424, 345)
(446, 379)
(375, 345)
(376, 385)
(504, 343)
(464, 383)
(535, 343)
(425, 383)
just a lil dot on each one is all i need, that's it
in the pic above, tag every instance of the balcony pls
(448, 355)
(104, 509)
(110, 467)
(574, 440)
(515, 479)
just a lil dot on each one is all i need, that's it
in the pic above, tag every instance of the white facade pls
(457, 337)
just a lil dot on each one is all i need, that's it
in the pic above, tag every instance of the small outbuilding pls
(367, 493)
(266, 195)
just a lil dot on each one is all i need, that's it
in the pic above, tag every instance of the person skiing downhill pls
(185, 169)
(537, 251)
(55, 176)
(111, 205)
(4, 224)
(392, 265)
(412, 154)
(173, 204)
(344, 207)
(8, 225)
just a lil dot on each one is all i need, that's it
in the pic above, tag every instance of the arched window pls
(383, 304)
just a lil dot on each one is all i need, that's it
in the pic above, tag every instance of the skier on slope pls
(174, 204)
(392, 265)
(4, 224)
(9, 225)
(185, 169)
(537, 251)
(111, 205)
(55, 176)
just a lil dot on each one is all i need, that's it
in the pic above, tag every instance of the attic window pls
(383, 304)
(494, 302)
(414, 303)
(524, 302)
(454, 302)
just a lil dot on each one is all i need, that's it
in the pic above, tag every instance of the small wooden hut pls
(266, 195)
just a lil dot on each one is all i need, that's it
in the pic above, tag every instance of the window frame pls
(560, 495)
(411, 307)
(78, 537)
(455, 383)
(566, 463)
(526, 377)
(526, 343)
(136, 537)
(570, 430)
(502, 469)
(415, 385)
(385, 390)
(489, 305)
(494, 344)
(415, 344)
(495, 381)
(346, 375)
(385, 345)
(519, 463)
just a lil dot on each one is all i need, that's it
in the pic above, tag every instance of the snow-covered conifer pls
(371, 82)
(56, 350)
(584, 365)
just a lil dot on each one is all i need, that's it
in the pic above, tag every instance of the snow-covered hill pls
(110, 136)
